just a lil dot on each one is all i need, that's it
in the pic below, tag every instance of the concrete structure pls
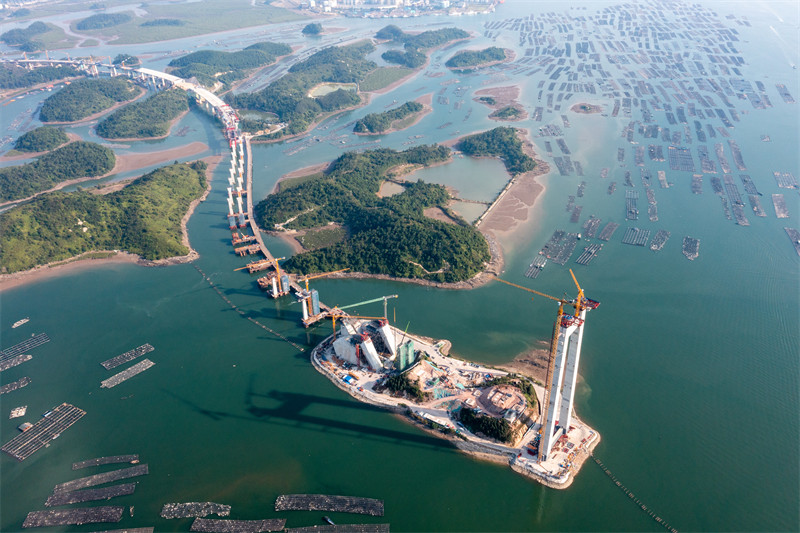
(562, 386)
(388, 338)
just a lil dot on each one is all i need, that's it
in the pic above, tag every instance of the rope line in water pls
(236, 308)
(632, 496)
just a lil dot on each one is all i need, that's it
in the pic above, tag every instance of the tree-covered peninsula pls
(86, 97)
(380, 122)
(212, 66)
(474, 58)
(143, 218)
(14, 77)
(41, 139)
(146, 119)
(390, 235)
(502, 142)
(75, 160)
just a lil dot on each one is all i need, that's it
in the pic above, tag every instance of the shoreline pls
(80, 262)
(499, 224)
(476, 447)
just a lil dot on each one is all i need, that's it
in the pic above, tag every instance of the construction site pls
(530, 426)
(481, 409)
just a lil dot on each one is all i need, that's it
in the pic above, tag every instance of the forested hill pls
(287, 97)
(86, 97)
(211, 66)
(143, 218)
(412, 54)
(502, 142)
(74, 160)
(145, 119)
(388, 235)
(380, 122)
(473, 58)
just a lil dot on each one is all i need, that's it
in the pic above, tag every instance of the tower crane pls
(336, 312)
(305, 299)
(322, 275)
(580, 303)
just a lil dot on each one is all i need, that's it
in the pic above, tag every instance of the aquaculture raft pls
(42, 432)
(237, 526)
(322, 502)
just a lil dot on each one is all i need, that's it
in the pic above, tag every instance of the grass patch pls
(322, 237)
(383, 77)
(88, 43)
(198, 18)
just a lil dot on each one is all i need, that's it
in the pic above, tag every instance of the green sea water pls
(689, 369)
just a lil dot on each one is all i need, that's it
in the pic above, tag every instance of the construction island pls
(482, 410)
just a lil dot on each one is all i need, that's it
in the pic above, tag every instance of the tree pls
(315, 28)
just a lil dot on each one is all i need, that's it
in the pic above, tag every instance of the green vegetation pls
(426, 39)
(20, 36)
(488, 100)
(13, 77)
(288, 97)
(143, 218)
(207, 65)
(409, 58)
(386, 235)
(507, 113)
(201, 17)
(322, 237)
(162, 22)
(103, 20)
(37, 36)
(495, 428)
(501, 142)
(148, 118)
(315, 28)
(126, 60)
(41, 139)
(383, 77)
(19, 13)
(86, 97)
(380, 122)
(75, 160)
(399, 383)
(412, 56)
(474, 58)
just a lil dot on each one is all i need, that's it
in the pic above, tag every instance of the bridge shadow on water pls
(291, 412)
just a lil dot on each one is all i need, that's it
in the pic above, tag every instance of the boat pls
(20, 322)
(328, 520)
(18, 411)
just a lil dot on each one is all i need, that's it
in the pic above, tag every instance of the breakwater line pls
(236, 308)
(632, 496)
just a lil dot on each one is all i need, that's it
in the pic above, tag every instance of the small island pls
(471, 59)
(586, 109)
(144, 218)
(147, 119)
(392, 120)
(503, 100)
(87, 97)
